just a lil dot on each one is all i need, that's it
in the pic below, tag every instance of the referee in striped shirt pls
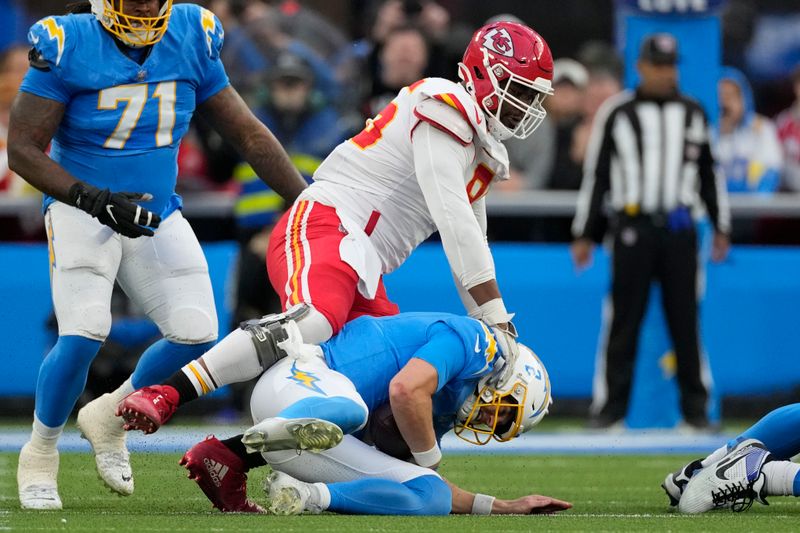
(649, 149)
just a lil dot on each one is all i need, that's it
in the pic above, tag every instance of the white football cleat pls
(675, 482)
(103, 429)
(287, 495)
(733, 482)
(37, 479)
(312, 434)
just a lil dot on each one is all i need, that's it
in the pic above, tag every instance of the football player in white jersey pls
(425, 163)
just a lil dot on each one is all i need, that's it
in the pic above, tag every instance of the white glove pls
(494, 314)
(506, 336)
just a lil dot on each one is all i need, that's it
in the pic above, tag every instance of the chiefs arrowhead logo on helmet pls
(498, 40)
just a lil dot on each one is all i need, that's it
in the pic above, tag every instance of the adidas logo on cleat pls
(216, 470)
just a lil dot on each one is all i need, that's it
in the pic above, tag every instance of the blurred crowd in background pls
(314, 70)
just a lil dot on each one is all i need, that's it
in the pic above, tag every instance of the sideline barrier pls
(749, 317)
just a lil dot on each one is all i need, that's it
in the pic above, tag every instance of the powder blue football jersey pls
(370, 351)
(124, 121)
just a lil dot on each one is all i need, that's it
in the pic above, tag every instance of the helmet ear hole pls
(477, 73)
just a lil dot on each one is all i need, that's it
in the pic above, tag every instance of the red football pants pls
(304, 265)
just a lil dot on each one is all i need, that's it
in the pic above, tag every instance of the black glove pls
(116, 210)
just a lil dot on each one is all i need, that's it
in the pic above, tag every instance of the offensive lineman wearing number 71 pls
(114, 85)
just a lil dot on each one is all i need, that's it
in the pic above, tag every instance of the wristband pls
(482, 504)
(494, 312)
(429, 458)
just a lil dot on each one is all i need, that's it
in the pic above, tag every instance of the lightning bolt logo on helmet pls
(499, 41)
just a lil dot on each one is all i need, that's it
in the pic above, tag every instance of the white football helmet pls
(525, 390)
(132, 30)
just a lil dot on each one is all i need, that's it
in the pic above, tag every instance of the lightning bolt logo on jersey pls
(123, 121)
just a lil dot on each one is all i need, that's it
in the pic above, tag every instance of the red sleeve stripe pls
(451, 100)
(416, 84)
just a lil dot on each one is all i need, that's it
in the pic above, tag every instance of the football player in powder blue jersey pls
(437, 371)
(111, 90)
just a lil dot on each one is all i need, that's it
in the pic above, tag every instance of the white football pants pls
(166, 276)
(290, 381)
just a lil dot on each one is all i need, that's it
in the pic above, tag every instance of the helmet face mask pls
(132, 30)
(511, 402)
(508, 70)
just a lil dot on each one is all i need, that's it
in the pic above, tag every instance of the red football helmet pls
(508, 69)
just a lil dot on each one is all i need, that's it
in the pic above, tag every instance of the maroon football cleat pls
(221, 476)
(148, 408)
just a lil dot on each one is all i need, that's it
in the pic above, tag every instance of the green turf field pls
(610, 493)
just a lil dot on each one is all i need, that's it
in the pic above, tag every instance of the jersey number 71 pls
(135, 98)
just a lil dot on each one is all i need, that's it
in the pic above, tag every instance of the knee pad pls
(85, 319)
(191, 325)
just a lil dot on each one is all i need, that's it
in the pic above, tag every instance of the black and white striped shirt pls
(653, 156)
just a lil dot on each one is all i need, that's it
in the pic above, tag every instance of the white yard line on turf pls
(179, 439)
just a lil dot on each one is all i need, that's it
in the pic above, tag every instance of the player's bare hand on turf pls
(117, 210)
(531, 504)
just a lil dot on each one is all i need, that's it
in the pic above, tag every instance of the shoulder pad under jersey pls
(211, 27)
(446, 118)
(49, 39)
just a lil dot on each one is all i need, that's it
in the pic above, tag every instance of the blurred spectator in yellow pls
(403, 59)
(309, 129)
(566, 109)
(747, 147)
(788, 123)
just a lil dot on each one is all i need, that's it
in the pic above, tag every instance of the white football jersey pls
(374, 172)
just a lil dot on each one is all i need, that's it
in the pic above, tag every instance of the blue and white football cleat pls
(733, 482)
(675, 482)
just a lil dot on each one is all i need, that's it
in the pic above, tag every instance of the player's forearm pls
(40, 171)
(483, 292)
(32, 124)
(230, 116)
(461, 499)
(413, 410)
(271, 163)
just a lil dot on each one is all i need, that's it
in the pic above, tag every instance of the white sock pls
(780, 477)
(232, 360)
(122, 391)
(44, 438)
(320, 496)
(715, 456)
(314, 327)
